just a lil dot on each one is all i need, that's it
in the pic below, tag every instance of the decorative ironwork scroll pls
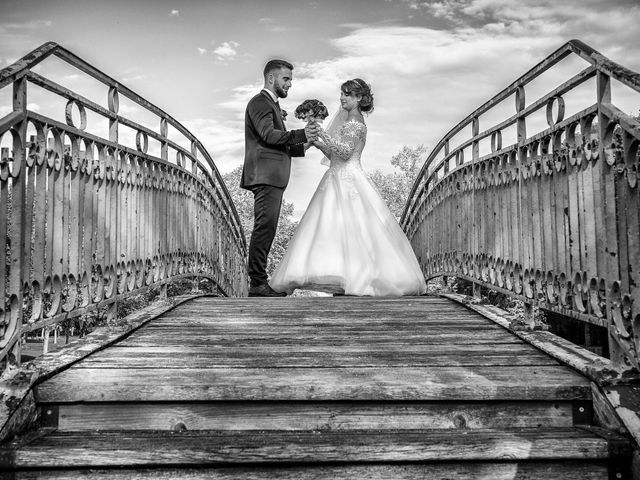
(551, 218)
(86, 220)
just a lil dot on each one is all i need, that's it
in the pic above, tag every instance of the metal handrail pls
(86, 221)
(550, 219)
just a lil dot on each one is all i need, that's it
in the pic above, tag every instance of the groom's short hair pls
(276, 65)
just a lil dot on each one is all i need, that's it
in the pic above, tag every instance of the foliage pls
(395, 187)
(243, 200)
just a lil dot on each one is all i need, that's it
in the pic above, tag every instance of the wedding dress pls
(347, 241)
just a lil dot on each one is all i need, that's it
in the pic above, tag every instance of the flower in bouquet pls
(312, 110)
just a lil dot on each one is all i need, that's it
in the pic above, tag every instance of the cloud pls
(226, 50)
(174, 13)
(202, 51)
(271, 25)
(32, 25)
(134, 78)
(13, 36)
(223, 139)
(129, 109)
(427, 80)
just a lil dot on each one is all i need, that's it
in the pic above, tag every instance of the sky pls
(429, 63)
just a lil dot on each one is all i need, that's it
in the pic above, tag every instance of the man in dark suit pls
(267, 166)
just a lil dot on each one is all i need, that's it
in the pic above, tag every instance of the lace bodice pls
(346, 147)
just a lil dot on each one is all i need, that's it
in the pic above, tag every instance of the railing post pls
(112, 312)
(477, 290)
(114, 105)
(475, 232)
(528, 316)
(475, 146)
(163, 292)
(521, 132)
(607, 178)
(164, 147)
(16, 234)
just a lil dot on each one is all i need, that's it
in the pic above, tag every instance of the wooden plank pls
(86, 449)
(319, 329)
(277, 340)
(515, 349)
(321, 416)
(318, 310)
(342, 320)
(322, 310)
(428, 383)
(346, 301)
(512, 470)
(18, 386)
(584, 361)
(247, 357)
(311, 335)
(344, 323)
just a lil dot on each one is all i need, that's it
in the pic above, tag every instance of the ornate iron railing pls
(86, 220)
(551, 218)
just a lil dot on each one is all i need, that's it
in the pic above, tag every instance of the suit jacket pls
(268, 146)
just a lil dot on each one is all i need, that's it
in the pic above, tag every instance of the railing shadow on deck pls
(86, 221)
(549, 217)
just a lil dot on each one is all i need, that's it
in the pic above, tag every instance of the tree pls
(243, 200)
(395, 187)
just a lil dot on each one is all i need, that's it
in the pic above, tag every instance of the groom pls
(267, 166)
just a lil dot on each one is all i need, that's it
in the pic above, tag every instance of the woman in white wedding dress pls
(348, 242)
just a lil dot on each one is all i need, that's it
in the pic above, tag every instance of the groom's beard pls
(281, 92)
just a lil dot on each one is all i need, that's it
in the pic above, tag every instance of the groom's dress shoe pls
(265, 290)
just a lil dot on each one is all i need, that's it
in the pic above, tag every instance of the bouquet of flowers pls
(312, 110)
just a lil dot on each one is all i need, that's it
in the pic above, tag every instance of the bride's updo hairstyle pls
(358, 86)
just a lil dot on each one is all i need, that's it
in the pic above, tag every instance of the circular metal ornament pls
(113, 100)
(496, 141)
(142, 141)
(550, 121)
(68, 114)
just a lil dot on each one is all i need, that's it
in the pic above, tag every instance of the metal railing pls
(551, 218)
(86, 221)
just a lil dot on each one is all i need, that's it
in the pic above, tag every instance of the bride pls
(348, 242)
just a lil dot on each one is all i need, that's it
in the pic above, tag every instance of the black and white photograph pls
(320, 239)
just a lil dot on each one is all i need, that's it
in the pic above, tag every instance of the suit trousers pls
(267, 201)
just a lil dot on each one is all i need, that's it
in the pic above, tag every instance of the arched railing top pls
(24, 66)
(598, 61)
(89, 216)
(549, 216)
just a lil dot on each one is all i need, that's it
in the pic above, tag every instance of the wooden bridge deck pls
(367, 382)
(323, 349)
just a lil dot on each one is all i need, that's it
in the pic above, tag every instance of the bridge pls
(539, 204)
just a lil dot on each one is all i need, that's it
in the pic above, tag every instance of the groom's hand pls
(311, 131)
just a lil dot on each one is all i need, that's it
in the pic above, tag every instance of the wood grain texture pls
(516, 470)
(87, 449)
(324, 416)
(14, 388)
(325, 387)
(208, 357)
(355, 383)
(384, 356)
